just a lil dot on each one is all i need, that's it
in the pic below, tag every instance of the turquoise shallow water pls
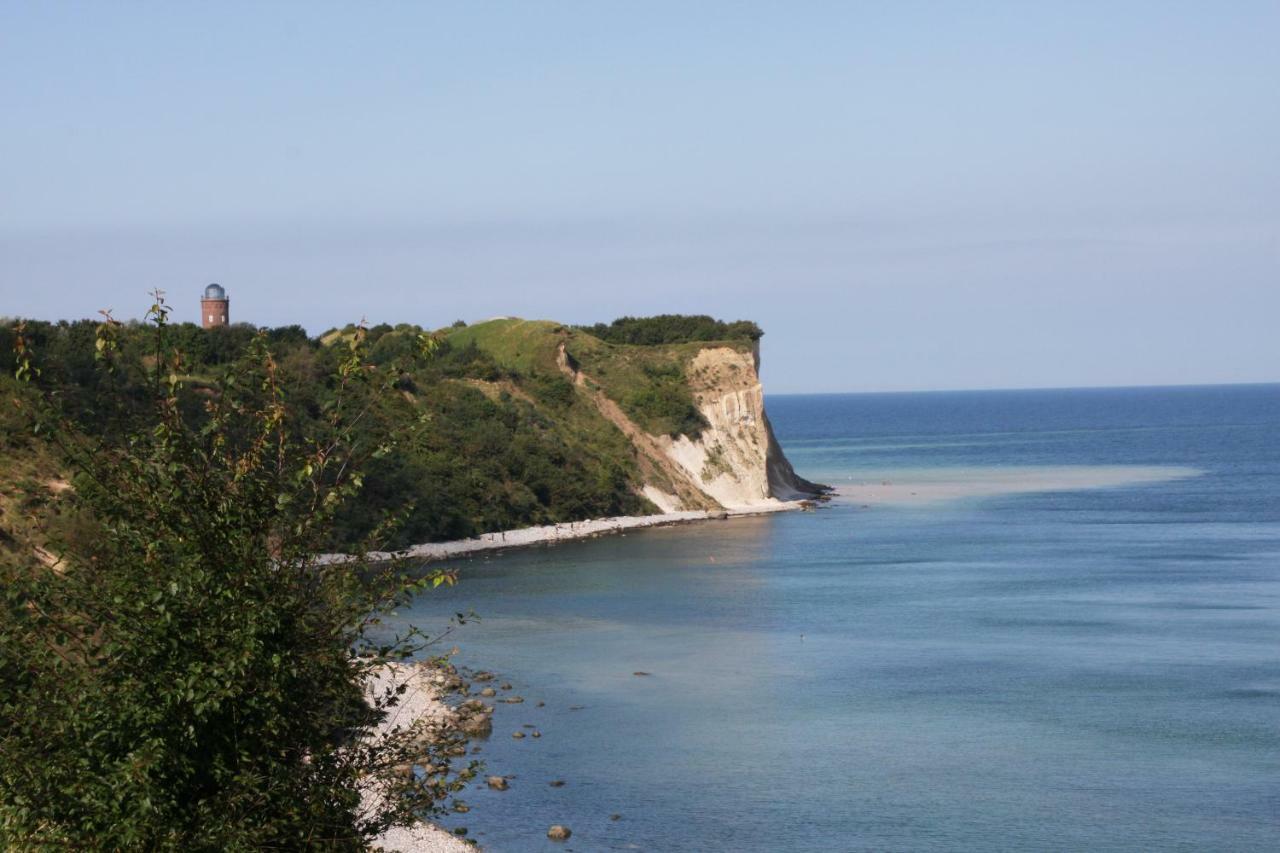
(1092, 668)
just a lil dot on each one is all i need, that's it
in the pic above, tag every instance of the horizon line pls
(1167, 385)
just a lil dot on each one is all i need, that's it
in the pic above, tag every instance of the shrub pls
(673, 329)
(191, 675)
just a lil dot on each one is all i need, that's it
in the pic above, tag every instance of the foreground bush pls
(186, 674)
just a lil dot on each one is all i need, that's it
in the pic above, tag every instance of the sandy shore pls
(550, 534)
(420, 701)
(936, 485)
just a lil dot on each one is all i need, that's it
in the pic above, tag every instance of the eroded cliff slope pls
(693, 412)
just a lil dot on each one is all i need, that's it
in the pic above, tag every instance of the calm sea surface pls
(1007, 669)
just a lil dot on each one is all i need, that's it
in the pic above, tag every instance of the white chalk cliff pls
(735, 463)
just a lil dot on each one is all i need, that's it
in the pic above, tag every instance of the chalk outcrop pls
(735, 463)
(736, 460)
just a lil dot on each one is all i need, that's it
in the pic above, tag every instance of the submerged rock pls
(497, 783)
(517, 735)
(559, 833)
(488, 691)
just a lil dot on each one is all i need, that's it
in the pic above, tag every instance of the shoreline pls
(421, 704)
(569, 531)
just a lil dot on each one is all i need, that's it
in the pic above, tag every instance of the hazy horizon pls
(905, 197)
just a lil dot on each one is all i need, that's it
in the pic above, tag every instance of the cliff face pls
(735, 462)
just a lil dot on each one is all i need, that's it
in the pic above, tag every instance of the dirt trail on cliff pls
(656, 467)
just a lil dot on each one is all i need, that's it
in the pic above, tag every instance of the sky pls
(905, 196)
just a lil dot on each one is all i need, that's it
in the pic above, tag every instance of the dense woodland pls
(673, 329)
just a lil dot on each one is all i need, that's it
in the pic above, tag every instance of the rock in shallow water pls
(476, 725)
(497, 783)
(559, 833)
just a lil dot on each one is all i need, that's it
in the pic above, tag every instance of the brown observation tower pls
(214, 307)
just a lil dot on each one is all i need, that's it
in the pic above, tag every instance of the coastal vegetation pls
(504, 439)
(177, 669)
(178, 665)
(673, 329)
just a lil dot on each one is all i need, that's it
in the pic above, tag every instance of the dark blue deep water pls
(1081, 653)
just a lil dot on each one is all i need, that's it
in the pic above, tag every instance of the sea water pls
(1041, 620)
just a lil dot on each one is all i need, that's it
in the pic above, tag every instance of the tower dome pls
(214, 305)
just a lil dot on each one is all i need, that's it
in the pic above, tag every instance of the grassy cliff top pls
(649, 381)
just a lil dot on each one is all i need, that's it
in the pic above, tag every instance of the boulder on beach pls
(559, 833)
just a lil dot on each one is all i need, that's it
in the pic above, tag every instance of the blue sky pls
(905, 195)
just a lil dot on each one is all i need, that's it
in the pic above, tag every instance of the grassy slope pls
(648, 382)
